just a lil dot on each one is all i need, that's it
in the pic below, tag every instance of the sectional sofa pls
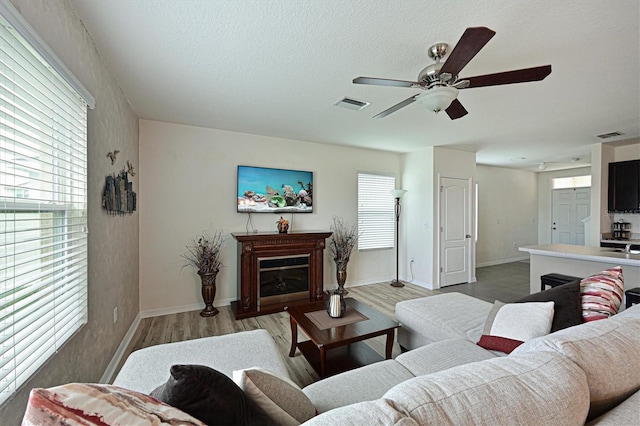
(588, 373)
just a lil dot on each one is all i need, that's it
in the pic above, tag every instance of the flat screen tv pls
(266, 190)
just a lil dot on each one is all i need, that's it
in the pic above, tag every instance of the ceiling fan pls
(440, 81)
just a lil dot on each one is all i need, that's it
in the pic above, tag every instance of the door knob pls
(467, 236)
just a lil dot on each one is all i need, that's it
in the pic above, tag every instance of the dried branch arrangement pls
(205, 252)
(343, 240)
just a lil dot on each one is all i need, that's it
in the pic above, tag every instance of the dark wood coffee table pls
(339, 349)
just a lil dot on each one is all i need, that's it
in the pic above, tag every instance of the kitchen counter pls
(595, 254)
(579, 261)
(630, 241)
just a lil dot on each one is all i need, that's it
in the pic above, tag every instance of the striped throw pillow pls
(602, 294)
(94, 404)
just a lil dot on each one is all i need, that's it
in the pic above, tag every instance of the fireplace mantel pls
(252, 246)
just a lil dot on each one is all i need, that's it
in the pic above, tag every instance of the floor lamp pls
(397, 194)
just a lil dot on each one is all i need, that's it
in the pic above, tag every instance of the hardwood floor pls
(506, 283)
(190, 325)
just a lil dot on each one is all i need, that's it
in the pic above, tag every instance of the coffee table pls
(340, 348)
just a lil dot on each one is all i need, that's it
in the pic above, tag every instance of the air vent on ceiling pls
(353, 104)
(609, 135)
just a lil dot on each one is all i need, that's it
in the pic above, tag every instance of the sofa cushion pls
(362, 384)
(630, 312)
(378, 412)
(509, 325)
(567, 309)
(280, 399)
(89, 404)
(206, 394)
(146, 369)
(602, 294)
(606, 350)
(445, 316)
(442, 355)
(531, 389)
(545, 389)
(626, 413)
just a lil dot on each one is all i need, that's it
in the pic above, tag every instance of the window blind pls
(43, 205)
(376, 211)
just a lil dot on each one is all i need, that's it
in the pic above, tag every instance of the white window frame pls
(376, 211)
(43, 202)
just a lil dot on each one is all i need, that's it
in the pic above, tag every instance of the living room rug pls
(323, 321)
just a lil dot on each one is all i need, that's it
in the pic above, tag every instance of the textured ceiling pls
(276, 68)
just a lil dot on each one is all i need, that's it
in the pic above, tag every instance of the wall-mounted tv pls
(266, 190)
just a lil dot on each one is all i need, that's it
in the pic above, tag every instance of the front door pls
(455, 231)
(570, 207)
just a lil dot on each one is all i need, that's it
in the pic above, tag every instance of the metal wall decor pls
(118, 197)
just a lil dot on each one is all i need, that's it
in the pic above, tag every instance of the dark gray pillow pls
(206, 394)
(568, 304)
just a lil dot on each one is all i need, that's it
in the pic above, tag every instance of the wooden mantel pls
(252, 246)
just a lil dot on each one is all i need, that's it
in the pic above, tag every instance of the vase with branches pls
(343, 239)
(205, 254)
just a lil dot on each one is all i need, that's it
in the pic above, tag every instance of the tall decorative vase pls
(208, 293)
(341, 276)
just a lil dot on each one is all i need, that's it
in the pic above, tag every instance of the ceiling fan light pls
(437, 98)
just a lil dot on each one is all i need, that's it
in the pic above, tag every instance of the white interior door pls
(569, 207)
(455, 231)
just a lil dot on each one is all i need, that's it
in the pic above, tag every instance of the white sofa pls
(589, 372)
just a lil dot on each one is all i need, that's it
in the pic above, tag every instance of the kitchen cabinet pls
(624, 187)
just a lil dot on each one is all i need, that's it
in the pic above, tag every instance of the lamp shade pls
(437, 98)
(398, 193)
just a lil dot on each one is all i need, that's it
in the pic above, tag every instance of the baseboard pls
(182, 308)
(502, 261)
(420, 284)
(107, 376)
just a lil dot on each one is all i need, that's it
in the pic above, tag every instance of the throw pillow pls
(95, 404)
(510, 325)
(567, 309)
(602, 294)
(280, 399)
(206, 394)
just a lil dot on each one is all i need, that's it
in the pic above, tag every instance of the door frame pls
(438, 239)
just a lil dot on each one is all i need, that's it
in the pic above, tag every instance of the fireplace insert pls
(283, 278)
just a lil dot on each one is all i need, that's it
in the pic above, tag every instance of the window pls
(376, 211)
(571, 182)
(43, 204)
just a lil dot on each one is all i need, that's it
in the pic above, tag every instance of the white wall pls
(627, 152)
(417, 222)
(545, 194)
(188, 184)
(452, 163)
(421, 172)
(507, 214)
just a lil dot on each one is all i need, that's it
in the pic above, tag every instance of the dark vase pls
(341, 276)
(283, 228)
(208, 293)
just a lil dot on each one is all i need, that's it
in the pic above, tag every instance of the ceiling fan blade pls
(510, 77)
(385, 82)
(396, 107)
(456, 110)
(473, 39)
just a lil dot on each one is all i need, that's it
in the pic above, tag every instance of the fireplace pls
(278, 270)
(282, 278)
